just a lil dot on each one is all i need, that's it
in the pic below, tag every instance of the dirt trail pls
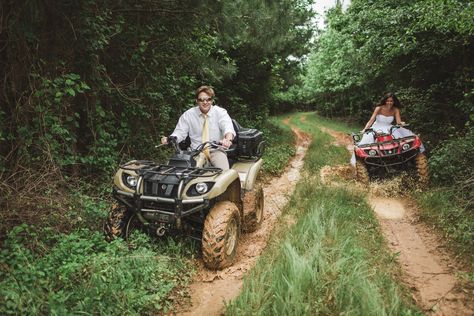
(210, 290)
(428, 270)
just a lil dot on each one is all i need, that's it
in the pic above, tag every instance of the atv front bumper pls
(154, 209)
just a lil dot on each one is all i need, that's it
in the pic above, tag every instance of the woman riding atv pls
(382, 118)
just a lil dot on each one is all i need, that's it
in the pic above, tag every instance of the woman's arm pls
(398, 120)
(372, 118)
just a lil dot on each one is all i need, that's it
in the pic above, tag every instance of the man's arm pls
(182, 128)
(225, 125)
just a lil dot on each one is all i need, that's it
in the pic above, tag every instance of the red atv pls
(389, 154)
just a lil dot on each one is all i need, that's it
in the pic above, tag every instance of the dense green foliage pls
(446, 208)
(332, 261)
(279, 147)
(422, 51)
(89, 84)
(54, 274)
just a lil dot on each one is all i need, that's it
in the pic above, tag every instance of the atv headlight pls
(372, 152)
(405, 146)
(356, 137)
(202, 188)
(130, 180)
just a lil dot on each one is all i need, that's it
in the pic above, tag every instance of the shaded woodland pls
(89, 84)
(422, 51)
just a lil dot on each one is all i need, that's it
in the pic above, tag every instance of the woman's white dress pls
(383, 123)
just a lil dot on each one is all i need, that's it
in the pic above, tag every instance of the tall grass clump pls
(444, 208)
(80, 273)
(333, 260)
(279, 147)
(450, 205)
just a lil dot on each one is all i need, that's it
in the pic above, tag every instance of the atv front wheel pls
(116, 222)
(362, 174)
(221, 235)
(422, 169)
(253, 209)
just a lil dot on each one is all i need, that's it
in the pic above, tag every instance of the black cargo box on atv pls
(249, 141)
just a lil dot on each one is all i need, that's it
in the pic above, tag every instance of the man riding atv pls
(187, 197)
(206, 122)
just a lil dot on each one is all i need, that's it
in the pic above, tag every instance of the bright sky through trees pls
(321, 6)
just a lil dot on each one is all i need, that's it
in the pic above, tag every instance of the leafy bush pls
(443, 208)
(81, 273)
(279, 148)
(451, 162)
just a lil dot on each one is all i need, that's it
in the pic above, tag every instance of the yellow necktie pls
(205, 136)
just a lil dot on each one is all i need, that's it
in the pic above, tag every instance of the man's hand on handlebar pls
(226, 143)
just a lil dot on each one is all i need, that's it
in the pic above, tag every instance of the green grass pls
(43, 272)
(279, 146)
(333, 260)
(443, 208)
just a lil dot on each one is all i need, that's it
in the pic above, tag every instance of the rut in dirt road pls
(428, 270)
(211, 289)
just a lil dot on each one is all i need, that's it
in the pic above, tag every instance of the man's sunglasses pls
(202, 100)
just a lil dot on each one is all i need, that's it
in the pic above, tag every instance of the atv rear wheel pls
(221, 235)
(422, 169)
(116, 222)
(362, 174)
(253, 209)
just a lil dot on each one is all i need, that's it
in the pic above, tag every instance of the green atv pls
(187, 197)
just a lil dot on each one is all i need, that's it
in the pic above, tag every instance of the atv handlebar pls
(357, 136)
(392, 128)
(173, 141)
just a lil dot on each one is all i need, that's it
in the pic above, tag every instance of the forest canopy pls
(422, 51)
(86, 83)
(89, 84)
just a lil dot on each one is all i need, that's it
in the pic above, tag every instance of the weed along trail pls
(210, 290)
(428, 270)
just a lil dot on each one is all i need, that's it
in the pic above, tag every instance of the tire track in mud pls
(211, 290)
(428, 270)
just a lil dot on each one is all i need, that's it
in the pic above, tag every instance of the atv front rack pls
(142, 167)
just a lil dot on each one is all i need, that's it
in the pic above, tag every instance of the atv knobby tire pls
(253, 209)
(362, 174)
(422, 169)
(115, 225)
(221, 235)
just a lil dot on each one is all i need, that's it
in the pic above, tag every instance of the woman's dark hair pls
(396, 103)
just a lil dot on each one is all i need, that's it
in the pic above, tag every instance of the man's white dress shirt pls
(191, 123)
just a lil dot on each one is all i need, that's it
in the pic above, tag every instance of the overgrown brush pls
(279, 147)
(58, 274)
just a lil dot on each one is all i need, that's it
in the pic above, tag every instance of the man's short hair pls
(207, 89)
